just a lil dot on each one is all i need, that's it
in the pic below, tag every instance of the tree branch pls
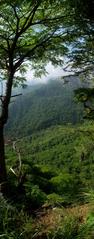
(16, 15)
(29, 19)
(41, 43)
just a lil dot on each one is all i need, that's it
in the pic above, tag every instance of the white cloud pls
(53, 72)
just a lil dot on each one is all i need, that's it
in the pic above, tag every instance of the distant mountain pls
(44, 105)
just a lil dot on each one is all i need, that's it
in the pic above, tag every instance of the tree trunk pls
(3, 174)
(3, 120)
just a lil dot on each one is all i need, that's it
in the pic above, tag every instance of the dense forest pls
(45, 105)
(57, 160)
(50, 163)
(51, 176)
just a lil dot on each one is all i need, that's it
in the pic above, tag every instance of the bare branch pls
(16, 95)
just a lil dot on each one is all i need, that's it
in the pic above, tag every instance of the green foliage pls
(35, 196)
(59, 170)
(80, 30)
(85, 95)
(83, 10)
(30, 30)
(55, 199)
(69, 186)
(60, 160)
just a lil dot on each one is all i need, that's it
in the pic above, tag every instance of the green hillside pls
(46, 105)
(58, 160)
(50, 164)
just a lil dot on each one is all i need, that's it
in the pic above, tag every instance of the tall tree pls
(30, 33)
(81, 54)
(81, 35)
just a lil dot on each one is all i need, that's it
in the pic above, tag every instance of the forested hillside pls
(45, 105)
(50, 163)
(52, 171)
(58, 160)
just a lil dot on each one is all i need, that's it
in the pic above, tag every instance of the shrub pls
(35, 196)
(55, 199)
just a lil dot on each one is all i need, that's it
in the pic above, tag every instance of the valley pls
(50, 163)
(47, 104)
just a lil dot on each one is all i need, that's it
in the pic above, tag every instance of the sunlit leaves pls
(31, 30)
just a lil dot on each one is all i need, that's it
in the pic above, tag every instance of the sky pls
(53, 72)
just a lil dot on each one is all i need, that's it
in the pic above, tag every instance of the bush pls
(35, 196)
(55, 199)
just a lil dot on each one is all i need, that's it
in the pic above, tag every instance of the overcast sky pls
(53, 72)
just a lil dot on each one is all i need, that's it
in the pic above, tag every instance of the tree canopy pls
(30, 30)
(81, 35)
(41, 31)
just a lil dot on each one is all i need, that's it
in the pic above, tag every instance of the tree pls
(80, 36)
(81, 55)
(30, 33)
(83, 10)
